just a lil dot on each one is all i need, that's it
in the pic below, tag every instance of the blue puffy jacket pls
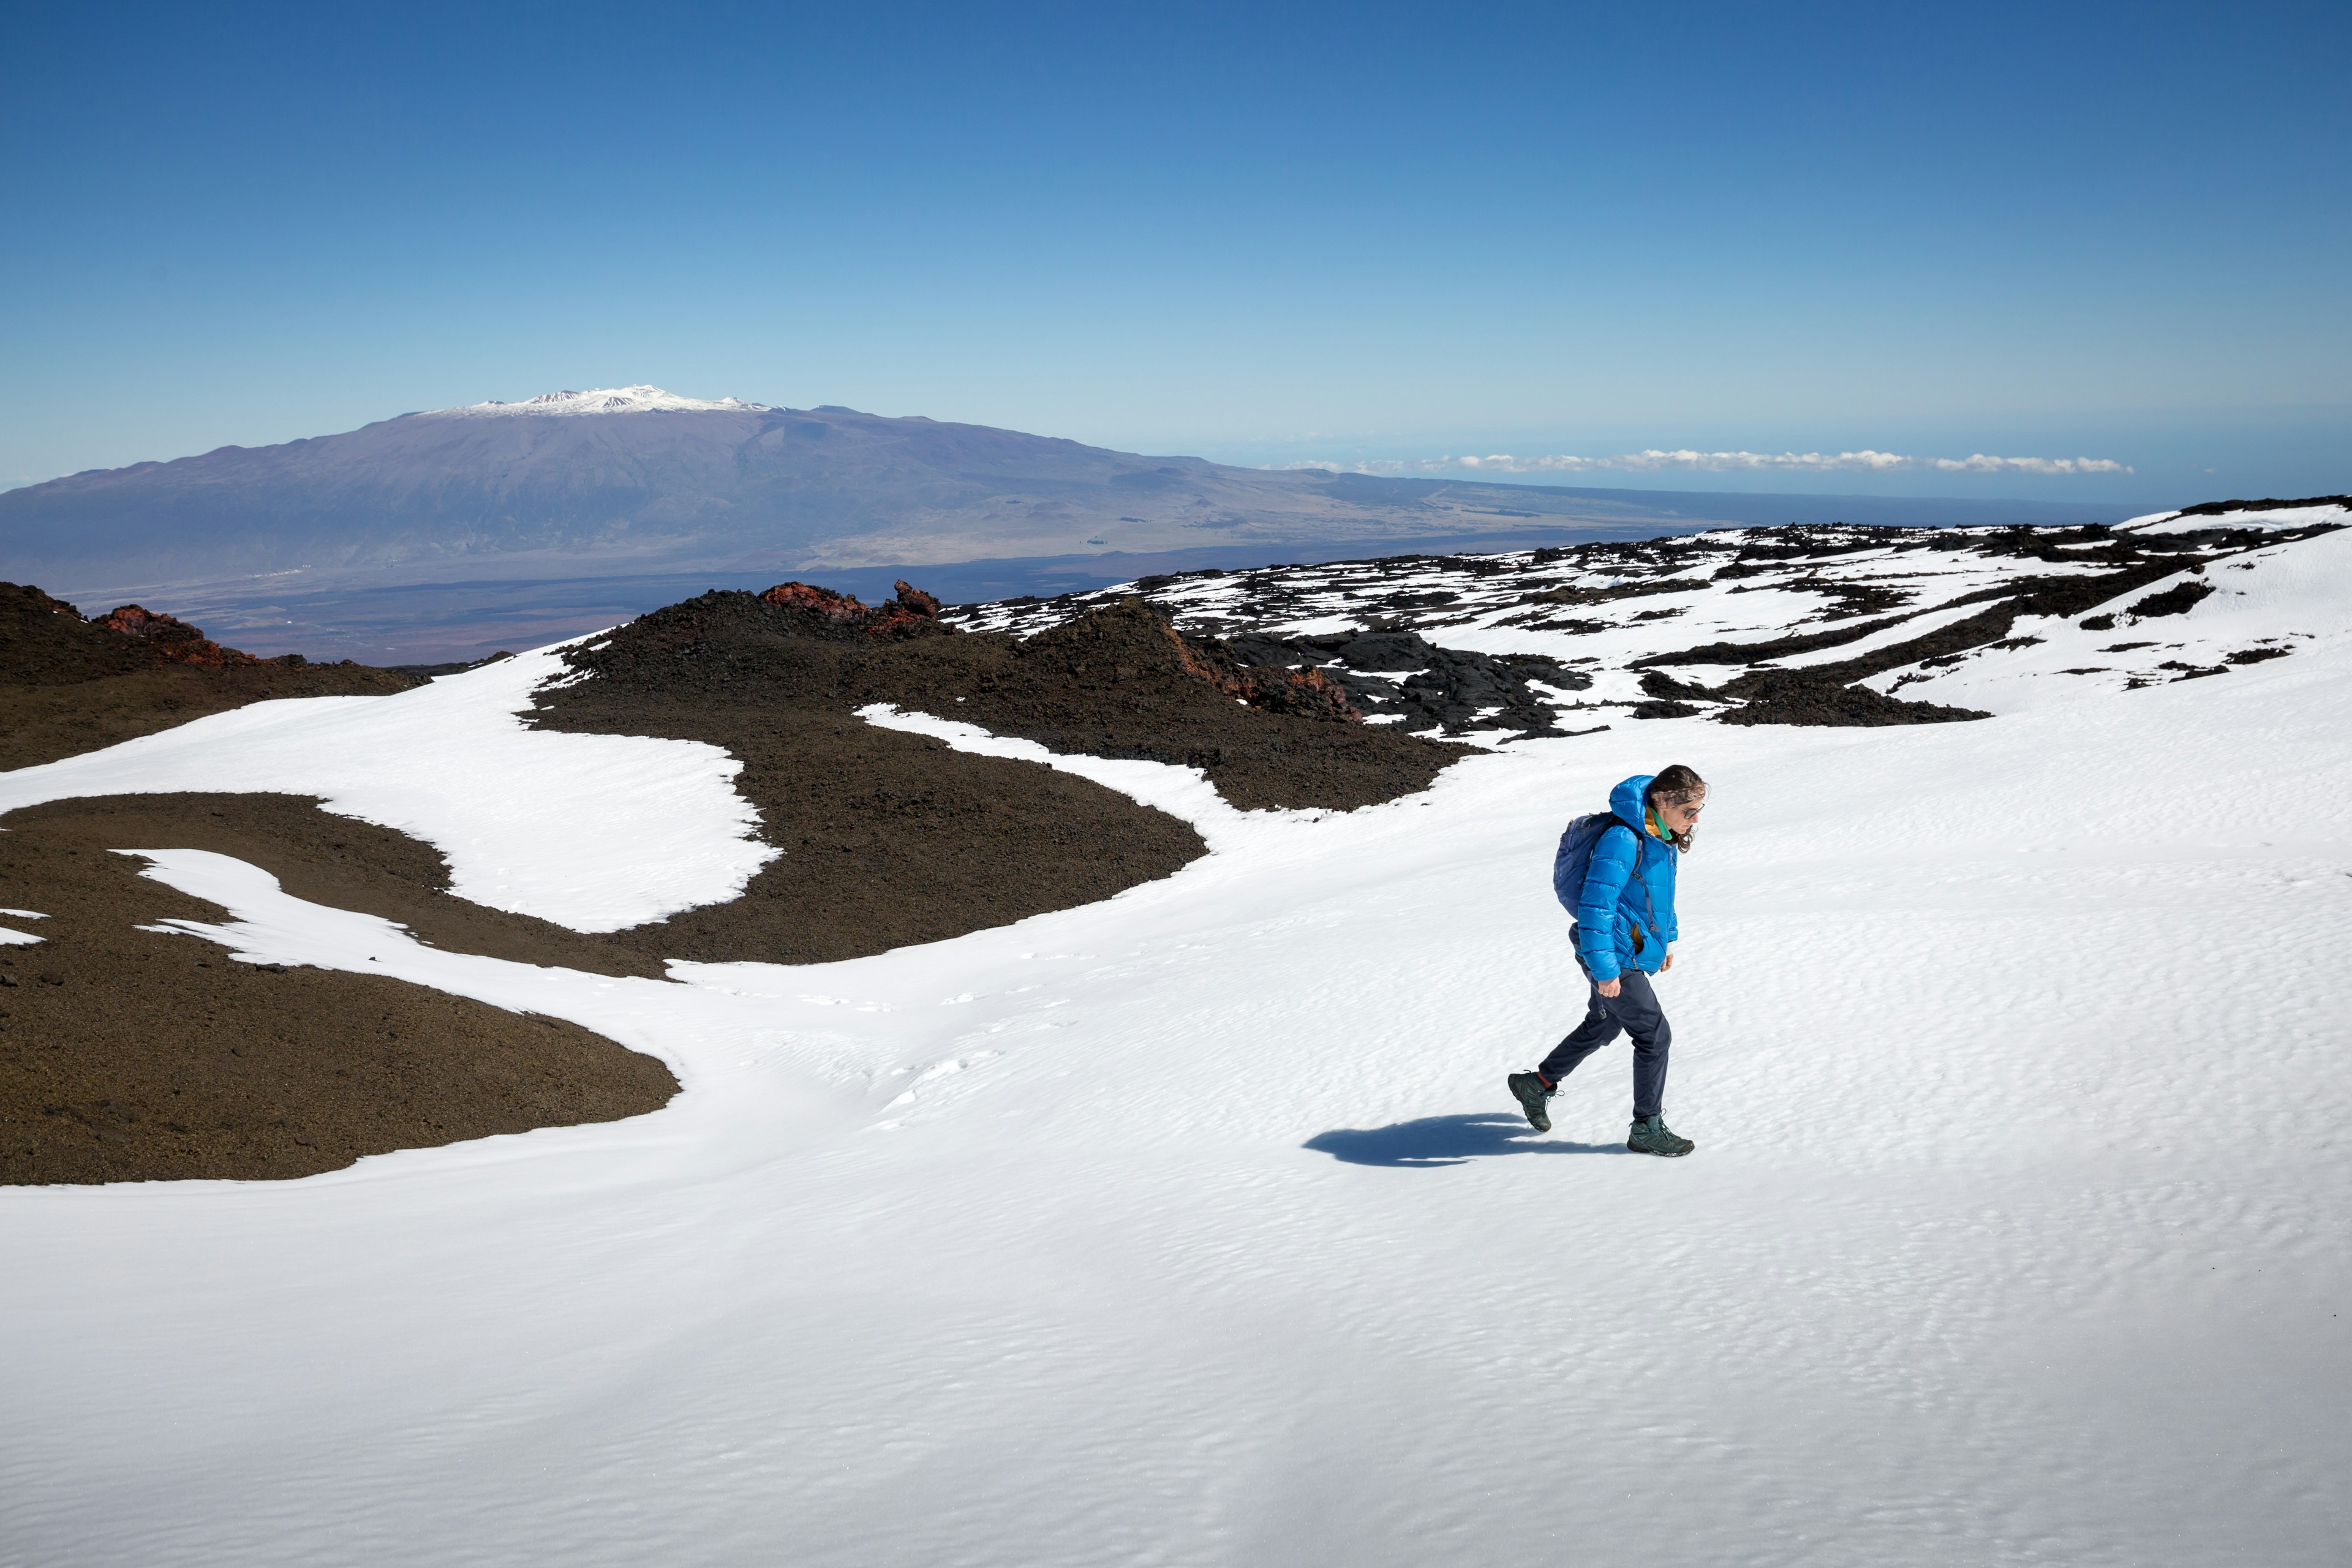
(1631, 883)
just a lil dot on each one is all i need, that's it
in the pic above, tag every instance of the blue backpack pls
(1574, 859)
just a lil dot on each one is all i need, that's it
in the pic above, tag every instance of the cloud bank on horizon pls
(1655, 460)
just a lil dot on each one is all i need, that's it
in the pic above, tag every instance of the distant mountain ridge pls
(620, 480)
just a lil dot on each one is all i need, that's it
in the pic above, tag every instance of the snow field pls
(1739, 612)
(2274, 517)
(1485, 608)
(595, 832)
(2016, 1232)
(2288, 597)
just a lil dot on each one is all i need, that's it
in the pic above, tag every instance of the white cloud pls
(1981, 464)
(1653, 459)
(1864, 461)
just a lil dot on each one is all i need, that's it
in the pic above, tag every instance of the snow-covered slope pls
(1740, 617)
(640, 399)
(2246, 609)
(2267, 515)
(1194, 1227)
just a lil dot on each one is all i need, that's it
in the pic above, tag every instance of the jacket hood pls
(1627, 801)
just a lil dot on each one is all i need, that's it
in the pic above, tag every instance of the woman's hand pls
(1669, 963)
(1609, 987)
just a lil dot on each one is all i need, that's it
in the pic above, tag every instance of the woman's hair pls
(1676, 785)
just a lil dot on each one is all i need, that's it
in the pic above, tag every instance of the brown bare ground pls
(127, 1054)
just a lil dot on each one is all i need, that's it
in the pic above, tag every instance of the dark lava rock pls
(1116, 682)
(2217, 507)
(1121, 681)
(2177, 600)
(1659, 684)
(1451, 689)
(1809, 697)
(125, 1057)
(453, 667)
(1735, 653)
(890, 838)
(69, 685)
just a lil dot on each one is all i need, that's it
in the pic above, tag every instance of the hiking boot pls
(1653, 1137)
(1529, 1088)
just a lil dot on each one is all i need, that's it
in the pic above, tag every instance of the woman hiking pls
(1616, 871)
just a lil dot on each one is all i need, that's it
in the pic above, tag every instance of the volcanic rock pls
(69, 684)
(821, 611)
(175, 640)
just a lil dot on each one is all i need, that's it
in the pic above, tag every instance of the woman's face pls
(1679, 818)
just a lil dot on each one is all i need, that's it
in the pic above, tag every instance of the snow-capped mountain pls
(633, 479)
(636, 478)
(601, 400)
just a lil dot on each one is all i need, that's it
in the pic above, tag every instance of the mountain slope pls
(600, 481)
(635, 479)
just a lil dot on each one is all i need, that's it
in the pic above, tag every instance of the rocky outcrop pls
(69, 684)
(55, 606)
(1402, 677)
(822, 612)
(1121, 682)
(175, 641)
(1306, 693)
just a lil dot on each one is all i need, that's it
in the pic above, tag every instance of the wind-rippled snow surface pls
(1195, 1227)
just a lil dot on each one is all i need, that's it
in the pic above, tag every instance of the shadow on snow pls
(1443, 1141)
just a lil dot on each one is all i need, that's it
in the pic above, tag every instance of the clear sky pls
(1376, 234)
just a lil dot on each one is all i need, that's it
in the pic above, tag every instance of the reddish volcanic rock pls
(1309, 693)
(822, 611)
(135, 621)
(174, 639)
(816, 601)
(912, 613)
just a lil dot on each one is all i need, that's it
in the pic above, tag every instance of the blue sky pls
(1387, 234)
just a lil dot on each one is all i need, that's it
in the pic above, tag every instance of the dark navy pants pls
(1634, 1012)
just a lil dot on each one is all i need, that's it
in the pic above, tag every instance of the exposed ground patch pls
(1117, 682)
(340, 862)
(1403, 677)
(888, 838)
(130, 1056)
